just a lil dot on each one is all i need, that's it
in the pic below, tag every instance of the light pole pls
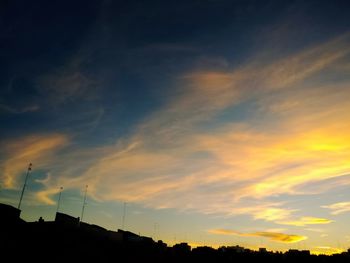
(59, 199)
(25, 184)
(82, 211)
(123, 221)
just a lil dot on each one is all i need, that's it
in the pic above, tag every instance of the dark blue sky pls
(125, 56)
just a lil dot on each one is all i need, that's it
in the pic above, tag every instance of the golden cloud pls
(279, 237)
(43, 196)
(272, 214)
(224, 232)
(303, 221)
(273, 236)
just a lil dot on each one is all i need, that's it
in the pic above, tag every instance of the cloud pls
(272, 214)
(303, 221)
(279, 237)
(273, 236)
(296, 68)
(225, 138)
(30, 108)
(224, 232)
(283, 216)
(69, 82)
(43, 196)
(318, 230)
(338, 208)
(267, 211)
(37, 149)
(66, 85)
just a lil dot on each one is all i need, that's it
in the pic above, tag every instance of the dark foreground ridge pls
(68, 240)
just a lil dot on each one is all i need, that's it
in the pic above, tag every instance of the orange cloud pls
(273, 236)
(43, 196)
(224, 232)
(279, 237)
(37, 149)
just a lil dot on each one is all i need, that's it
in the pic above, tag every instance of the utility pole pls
(25, 184)
(156, 231)
(84, 203)
(59, 199)
(123, 221)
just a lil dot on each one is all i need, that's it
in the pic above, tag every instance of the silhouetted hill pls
(68, 240)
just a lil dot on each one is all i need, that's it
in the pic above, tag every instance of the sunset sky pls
(215, 122)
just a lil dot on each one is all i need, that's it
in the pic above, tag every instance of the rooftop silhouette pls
(67, 239)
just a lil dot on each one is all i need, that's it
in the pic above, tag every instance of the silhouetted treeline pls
(68, 240)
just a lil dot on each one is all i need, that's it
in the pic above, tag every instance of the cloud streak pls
(338, 208)
(295, 133)
(304, 221)
(31, 108)
(273, 236)
(38, 149)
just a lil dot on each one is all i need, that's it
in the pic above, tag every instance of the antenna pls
(156, 230)
(59, 199)
(84, 203)
(123, 221)
(25, 184)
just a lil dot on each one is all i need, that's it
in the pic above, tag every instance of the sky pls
(209, 122)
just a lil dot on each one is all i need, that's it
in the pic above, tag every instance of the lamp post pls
(123, 220)
(59, 199)
(84, 203)
(25, 184)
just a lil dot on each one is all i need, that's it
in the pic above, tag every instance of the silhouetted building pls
(296, 252)
(66, 219)
(161, 244)
(68, 240)
(237, 249)
(182, 247)
(262, 250)
(94, 230)
(128, 236)
(115, 236)
(9, 214)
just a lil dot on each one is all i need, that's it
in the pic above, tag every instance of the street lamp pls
(25, 184)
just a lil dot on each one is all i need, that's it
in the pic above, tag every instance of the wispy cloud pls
(338, 208)
(68, 83)
(274, 213)
(303, 221)
(185, 156)
(43, 196)
(224, 232)
(38, 149)
(285, 238)
(30, 108)
(273, 236)
(66, 86)
(268, 211)
(296, 68)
